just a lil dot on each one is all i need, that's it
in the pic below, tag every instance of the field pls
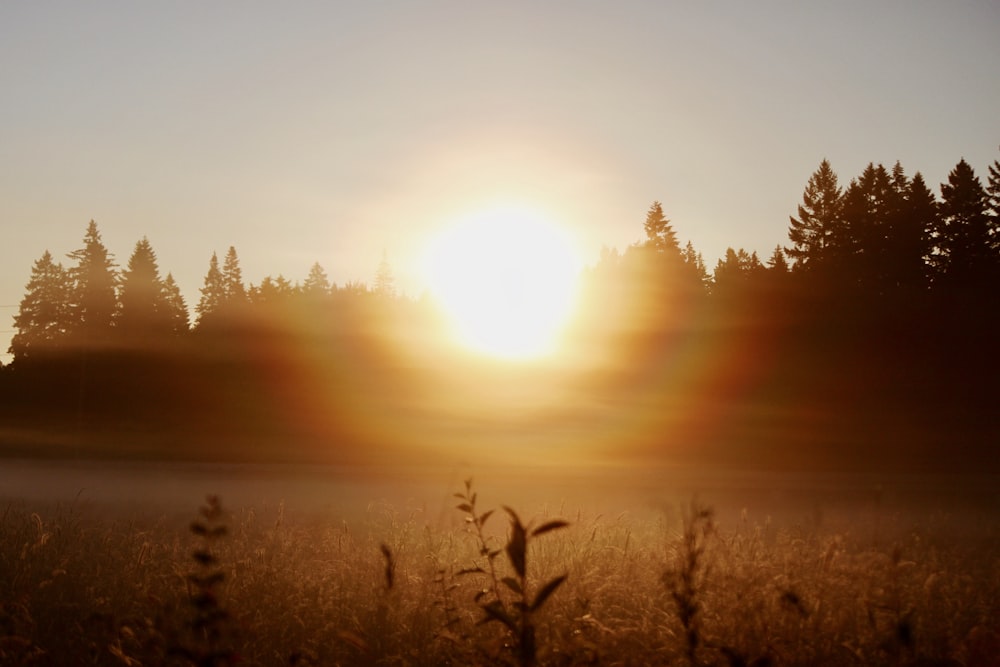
(111, 564)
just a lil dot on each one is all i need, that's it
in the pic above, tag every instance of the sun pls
(507, 280)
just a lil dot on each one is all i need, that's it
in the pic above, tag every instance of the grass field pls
(728, 569)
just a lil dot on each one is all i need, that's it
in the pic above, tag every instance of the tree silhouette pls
(176, 307)
(778, 263)
(316, 283)
(213, 292)
(232, 279)
(695, 263)
(993, 194)
(94, 278)
(911, 246)
(660, 235)
(812, 233)
(44, 317)
(736, 270)
(144, 309)
(964, 252)
(869, 208)
(889, 231)
(271, 291)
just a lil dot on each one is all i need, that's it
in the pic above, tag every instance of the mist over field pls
(142, 561)
(152, 489)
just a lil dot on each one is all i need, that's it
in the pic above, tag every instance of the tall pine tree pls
(695, 263)
(223, 293)
(94, 281)
(868, 210)
(232, 279)
(44, 317)
(993, 202)
(660, 235)
(813, 233)
(213, 293)
(964, 253)
(316, 285)
(176, 308)
(911, 244)
(737, 270)
(778, 263)
(143, 299)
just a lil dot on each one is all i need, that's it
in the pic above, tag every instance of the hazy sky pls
(303, 132)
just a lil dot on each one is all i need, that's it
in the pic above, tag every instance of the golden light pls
(507, 280)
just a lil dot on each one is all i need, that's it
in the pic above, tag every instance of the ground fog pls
(130, 563)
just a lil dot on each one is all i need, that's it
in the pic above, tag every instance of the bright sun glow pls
(507, 279)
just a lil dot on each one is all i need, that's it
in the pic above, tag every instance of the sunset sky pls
(331, 132)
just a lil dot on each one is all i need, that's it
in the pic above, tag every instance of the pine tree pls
(143, 299)
(94, 278)
(213, 293)
(385, 281)
(812, 234)
(316, 283)
(993, 203)
(695, 263)
(176, 308)
(232, 279)
(271, 291)
(910, 247)
(964, 253)
(660, 235)
(737, 269)
(44, 317)
(727, 270)
(869, 207)
(902, 242)
(777, 263)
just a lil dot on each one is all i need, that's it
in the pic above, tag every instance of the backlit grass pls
(397, 587)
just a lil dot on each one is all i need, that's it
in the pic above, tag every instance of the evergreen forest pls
(867, 340)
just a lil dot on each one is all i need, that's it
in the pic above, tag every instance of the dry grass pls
(388, 588)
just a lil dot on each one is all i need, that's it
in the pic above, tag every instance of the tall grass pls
(509, 601)
(395, 588)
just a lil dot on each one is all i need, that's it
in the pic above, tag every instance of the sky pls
(331, 132)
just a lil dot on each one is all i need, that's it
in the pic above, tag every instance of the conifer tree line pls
(884, 236)
(881, 311)
(887, 234)
(94, 302)
(882, 242)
